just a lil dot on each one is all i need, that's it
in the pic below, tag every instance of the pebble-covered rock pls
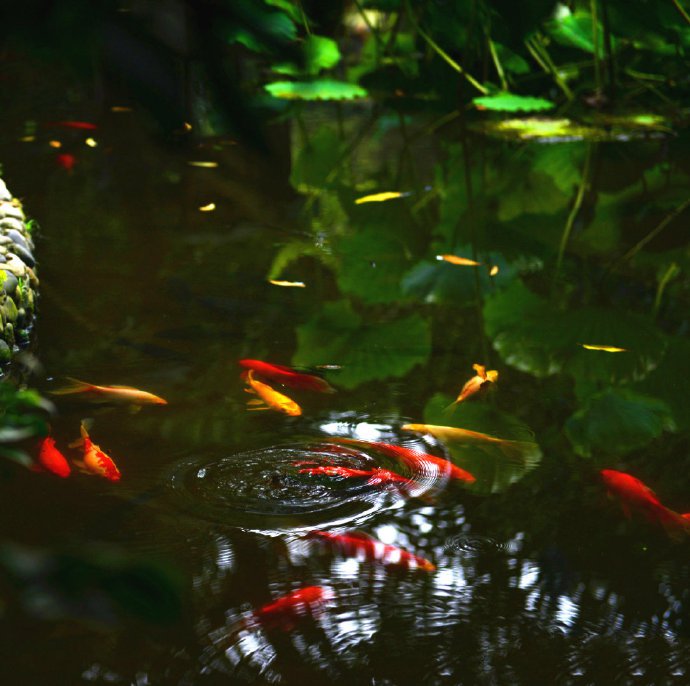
(18, 281)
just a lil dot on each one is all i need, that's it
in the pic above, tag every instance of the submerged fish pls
(374, 476)
(633, 493)
(66, 161)
(355, 544)
(269, 398)
(287, 376)
(82, 125)
(95, 461)
(119, 394)
(287, 610)
(414, 458)
(477, 382)
(52, 459)
(461, 261)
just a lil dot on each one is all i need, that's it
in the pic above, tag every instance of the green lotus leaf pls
(495, 465)
(366, 351)
(617, 421)
(319, 89)
(511, 102)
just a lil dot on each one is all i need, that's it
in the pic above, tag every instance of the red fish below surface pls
(288, 377)
(52, 459)
(361, 546)
(286, 610)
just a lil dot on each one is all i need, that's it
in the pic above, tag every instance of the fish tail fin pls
(676, 525)
(451, 408)
(73, 386)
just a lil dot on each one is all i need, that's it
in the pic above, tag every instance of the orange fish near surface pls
(633, 493)
(477, 382)
(269, 398)
(52, 459)
(375, 476)
(415, 458)
(288, 377)
(95, 460)
(361, 546)
(118, 394)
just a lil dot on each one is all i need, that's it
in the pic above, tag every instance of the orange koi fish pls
(119, 394)
(288, 377)
(477, 382)
(82, 125)
(376, 476)
(510, 448)
(269, 398)
(286, 610)
(95, 460)
(359, 545)
(414, 458)
(52, 459)
(633, 493)
(461, 261)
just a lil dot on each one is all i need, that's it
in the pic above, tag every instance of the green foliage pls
(319, 89)
(367, 351)
(511, 102)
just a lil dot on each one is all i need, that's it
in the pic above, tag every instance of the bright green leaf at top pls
(510, 102)
(320, 89)
(617, 421)
(288, 7)
(274, 24)
(575, 30)
(495, 465)
(366, 351)
(320, 53)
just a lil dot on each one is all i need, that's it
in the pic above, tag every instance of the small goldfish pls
(95, 460)
(288, 377)
(604, 348)
(120, 394)
(634, 493)
(359, 545)
(476, 382)
(52, 459)
(461, 261)
(269, 398)
(380, 197)
(286, 610)
(374, 476)
(414, 458)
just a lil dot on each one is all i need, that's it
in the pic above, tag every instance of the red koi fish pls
(82, 125)
(95, 461)
(286, 610)
(355, 544)
(52, 459)
(375, 476)
(633, 493)
(288, 377)
(414, 458)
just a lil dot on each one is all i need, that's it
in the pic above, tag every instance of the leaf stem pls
(682, 11)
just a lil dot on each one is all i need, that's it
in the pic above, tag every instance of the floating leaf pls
(320, 89)
(366, 352)
(486, 461)
(510, 102)
(617, 421)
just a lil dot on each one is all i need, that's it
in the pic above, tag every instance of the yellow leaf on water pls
(380, 197)
(462, 261)
(605, 348)
(287, 284)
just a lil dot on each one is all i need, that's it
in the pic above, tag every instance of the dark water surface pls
(540, 578)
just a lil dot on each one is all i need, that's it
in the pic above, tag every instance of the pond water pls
(167, 576)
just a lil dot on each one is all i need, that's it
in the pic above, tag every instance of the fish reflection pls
(52, 460)
(269, 398)
(477, 382)
(364, 547)
(287, 376)
(95, 461)
(414, 459)
(633, 493)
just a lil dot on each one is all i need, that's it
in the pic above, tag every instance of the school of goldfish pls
(284, 612)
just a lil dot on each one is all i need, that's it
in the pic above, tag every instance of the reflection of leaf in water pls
(313, 162)
(510, 102)
(442, 282)
(291, 252)
(531, 193)
(366, 351)
(617, 420)
(562, 162)
(669, 380)
(320, 89)
(533, 336)
(486, 461)
(372, 264)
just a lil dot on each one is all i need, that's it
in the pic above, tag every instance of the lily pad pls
(366, 351)
(618, 420)
(495, 466)
(319, 89)
(511, 102)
